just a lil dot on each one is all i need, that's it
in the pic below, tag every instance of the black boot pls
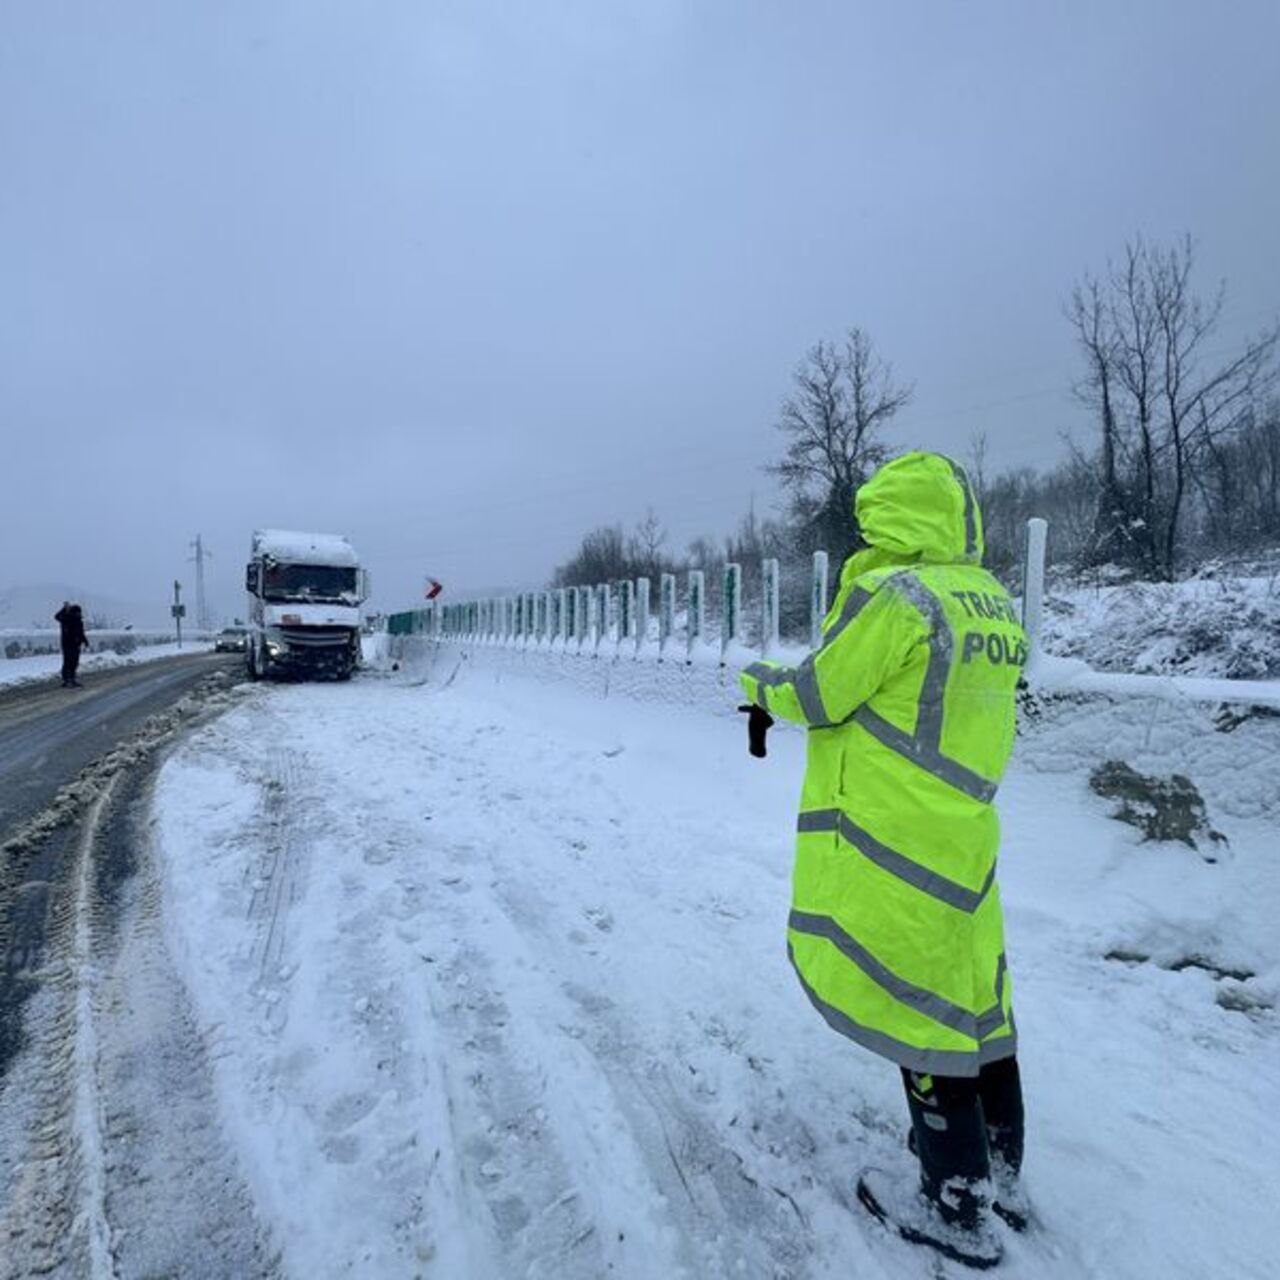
(917, 1219)
(951, 1145)
(1000, 1091)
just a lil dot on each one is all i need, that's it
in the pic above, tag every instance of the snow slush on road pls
(111, 1157)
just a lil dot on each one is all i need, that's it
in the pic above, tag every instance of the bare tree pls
(1237, 491)
(645, 547)
(1113, 527)
(1162, 406)
(601, 557)
(703, 553)
(1201, 408)
(842, 399)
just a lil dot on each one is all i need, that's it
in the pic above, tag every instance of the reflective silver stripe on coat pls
(932, 761)
(993, 1019)
(933, 690)
(941, 1062)
(921, 999)
(858, 600)
(895, 863)
(923, 748)
(970, 524)
(810, 696)
(769, 677)
(804, 678)
(764, 673)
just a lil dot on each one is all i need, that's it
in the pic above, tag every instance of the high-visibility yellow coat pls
(895, 928)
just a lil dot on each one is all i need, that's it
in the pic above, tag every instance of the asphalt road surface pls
(48, 734)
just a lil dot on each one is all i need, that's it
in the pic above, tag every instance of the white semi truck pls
(305, 592)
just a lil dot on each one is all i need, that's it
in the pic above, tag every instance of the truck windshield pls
(319, 582)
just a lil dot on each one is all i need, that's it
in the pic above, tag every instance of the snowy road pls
(491, 976)
(101, 1067)
(48, 733)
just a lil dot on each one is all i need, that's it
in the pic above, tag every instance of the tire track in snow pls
(275, 880)
(115, 1173)
(720, 1216)
(336, 1114)
(88, 1106)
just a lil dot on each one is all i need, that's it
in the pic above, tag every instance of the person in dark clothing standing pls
(71, 620)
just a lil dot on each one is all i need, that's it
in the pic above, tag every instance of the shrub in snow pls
(1225, 628)
(1161, 808)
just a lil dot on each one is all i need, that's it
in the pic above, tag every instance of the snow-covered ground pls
(1207, 626)
(490, 957)
(43, 666)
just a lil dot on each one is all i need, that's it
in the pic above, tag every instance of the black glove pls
(759, 722)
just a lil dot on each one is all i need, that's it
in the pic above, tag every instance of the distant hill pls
(34, 604)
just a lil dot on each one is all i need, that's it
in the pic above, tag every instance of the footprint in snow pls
(344, 1148)
(348, 1109)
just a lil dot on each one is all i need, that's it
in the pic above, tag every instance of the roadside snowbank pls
(491, 955)
(1215, 627)
(47, 665)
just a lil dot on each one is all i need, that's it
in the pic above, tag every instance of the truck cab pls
(305, 592)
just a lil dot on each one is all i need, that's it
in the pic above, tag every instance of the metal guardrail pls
(614, 620)
(616, 617)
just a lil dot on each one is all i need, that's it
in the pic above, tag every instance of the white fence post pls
(768, 606)
(562, 616)
(626, 612)
(1033, 581)
(643, 588)
(817, 599)
(697, 610)
(666, 610)
(602, 614)
(730, 607)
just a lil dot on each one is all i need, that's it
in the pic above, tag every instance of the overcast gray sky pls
(463, 280)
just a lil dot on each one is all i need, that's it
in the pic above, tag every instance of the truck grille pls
(316, 637)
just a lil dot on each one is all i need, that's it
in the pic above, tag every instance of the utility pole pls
(202, 608)
(178, 609)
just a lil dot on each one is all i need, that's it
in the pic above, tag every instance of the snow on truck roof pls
(304, 548)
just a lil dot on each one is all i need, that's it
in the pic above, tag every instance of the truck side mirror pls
(252, 576)
(366, 585)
